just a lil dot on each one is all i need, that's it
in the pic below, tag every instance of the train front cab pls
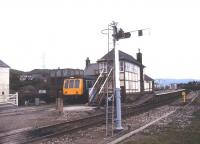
(74, 90)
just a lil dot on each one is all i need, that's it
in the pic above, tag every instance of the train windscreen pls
(66, 83)
(71, 84)
(77, 83)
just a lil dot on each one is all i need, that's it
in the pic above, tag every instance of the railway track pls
(21, 111)
(156, 101)
(28, 136)
(35, 134)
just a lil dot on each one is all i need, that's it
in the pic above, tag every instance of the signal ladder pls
(110, 103)
(110, 115)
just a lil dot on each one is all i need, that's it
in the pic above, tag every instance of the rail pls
(35, 134)
(28, 136)
(170, 91)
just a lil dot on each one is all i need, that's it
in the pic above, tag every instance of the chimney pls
(139, 59)
(139, 56)
(87, 62)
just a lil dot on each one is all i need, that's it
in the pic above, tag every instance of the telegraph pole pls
(117, 80)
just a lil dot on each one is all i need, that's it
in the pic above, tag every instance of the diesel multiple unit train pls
(76, 89)
(73, 84)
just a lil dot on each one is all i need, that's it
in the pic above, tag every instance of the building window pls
(121, 83)
(103, 67)
(132, 78)
(127, 66)
(89, 84)
(121, 66)
(130, 67)
(121, 76)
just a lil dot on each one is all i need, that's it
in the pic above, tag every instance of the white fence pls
(3, 98)
(11, 98)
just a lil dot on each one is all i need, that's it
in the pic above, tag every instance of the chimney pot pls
(87, 62)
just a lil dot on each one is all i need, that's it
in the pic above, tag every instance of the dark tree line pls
(193, 85)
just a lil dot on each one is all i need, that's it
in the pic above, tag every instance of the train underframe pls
(75, 99)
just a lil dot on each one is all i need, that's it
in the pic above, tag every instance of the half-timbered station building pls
(132, 78)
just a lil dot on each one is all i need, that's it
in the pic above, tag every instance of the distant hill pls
(170, 81)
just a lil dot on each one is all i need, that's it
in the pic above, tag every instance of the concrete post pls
(17, 99)
(117, 82)
(60, 102)
(37, 101)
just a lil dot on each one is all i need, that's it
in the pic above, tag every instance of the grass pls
(172, 134)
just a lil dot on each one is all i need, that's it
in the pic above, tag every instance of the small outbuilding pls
(4, 80)
(148, 84)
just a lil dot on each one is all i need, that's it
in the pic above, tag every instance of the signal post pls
(116, 36)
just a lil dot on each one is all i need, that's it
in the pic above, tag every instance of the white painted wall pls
(148, 86)
(4, 82)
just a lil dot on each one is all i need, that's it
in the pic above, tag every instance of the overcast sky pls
(63, 34)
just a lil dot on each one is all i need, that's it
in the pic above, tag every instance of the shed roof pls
(2, 64)
(147, 78)
(122, 56)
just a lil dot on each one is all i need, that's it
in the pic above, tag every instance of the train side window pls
(88, 84)
(77, 83)
(66, 83)
(71, 84)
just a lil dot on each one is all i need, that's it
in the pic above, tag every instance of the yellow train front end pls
(73, 90)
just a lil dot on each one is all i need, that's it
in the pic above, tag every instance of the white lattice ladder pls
(110, 103)
(110, 115)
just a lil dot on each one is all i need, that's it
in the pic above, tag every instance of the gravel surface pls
(96, 135)
(38, 117)
(181, 120)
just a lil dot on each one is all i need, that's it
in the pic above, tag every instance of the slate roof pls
(147, 78)
(39, 71)
(90, 69)
(122, 56)
(2, 64)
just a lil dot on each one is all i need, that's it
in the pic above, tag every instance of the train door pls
(89, 84)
